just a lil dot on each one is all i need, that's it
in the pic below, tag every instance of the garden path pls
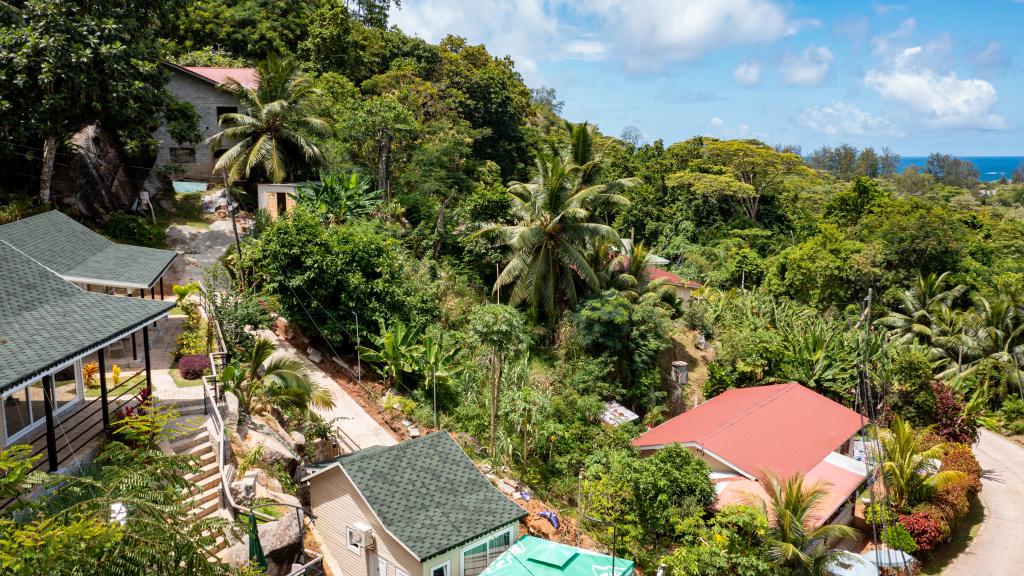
(998, 547)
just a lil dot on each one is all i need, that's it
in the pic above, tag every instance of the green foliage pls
(910, 473)
(633, 333)
(133, 229)
(149, 424)
(262, 380)
(895, 536)
(324, 276)
(337, 197)
(398, 352)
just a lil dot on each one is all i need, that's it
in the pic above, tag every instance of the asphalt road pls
(998, 547)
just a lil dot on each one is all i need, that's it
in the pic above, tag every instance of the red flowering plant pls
(927, 530)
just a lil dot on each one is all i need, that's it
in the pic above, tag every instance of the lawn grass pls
(176, 311)
(961, 538)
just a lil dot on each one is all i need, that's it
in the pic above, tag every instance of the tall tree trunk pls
(49, 158)
(495, 393)
(382, 166)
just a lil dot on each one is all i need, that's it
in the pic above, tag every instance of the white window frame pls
(462, 553)
(58, 411)
(400, 572)
(382, 566)
(447, 565)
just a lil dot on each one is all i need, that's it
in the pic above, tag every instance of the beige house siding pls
(455, 556)
(266, 195)
(337, 506)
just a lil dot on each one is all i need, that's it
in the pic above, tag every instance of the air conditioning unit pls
(362, 535)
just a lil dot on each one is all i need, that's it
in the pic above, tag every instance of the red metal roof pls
(840, 483)
(783, 429)
(670, 277)
(245, 76)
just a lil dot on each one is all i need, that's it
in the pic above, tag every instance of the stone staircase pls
(196, 441)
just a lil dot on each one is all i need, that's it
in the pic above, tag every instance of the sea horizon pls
(990, 168)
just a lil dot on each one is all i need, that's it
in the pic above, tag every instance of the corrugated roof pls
(428, 493)
(838, 473)
(77, 253)
(532, 556)
(245, 76)
(783, 428)
(47, 321)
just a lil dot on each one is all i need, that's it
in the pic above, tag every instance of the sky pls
(918, 77)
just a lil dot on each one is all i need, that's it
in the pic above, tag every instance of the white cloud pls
(585, 50)
(807, 68)
(883, 44)
(650, 33)
(641, 34)
(716, 122)
(942, 101)
(842, 119)
(747, 73)
(992, 60)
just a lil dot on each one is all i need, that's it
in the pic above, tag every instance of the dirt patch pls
(684, 347)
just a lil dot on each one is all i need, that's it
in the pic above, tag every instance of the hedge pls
(193, 366)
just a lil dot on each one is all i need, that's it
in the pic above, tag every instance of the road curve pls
(998, 547)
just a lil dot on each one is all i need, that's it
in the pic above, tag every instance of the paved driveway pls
(998, 547)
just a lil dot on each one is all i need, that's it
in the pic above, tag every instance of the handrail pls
(318, 560)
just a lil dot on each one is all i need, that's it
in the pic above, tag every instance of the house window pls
(442, 570)
(25, 410)
(183, 155)
(382, 567)
(221, 110)
(400, 572)
(353, 541)
(476, 558)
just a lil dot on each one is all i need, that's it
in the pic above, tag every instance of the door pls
(282, 203)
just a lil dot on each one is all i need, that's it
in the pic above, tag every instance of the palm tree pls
(795, 540)
(919, 304)
(553, 234)
(274, 127)
(910, 471)
(263, 381)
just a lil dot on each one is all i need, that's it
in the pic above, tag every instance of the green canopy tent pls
(256, 556)
(532, 556)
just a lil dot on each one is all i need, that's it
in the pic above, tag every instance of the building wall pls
(266, 195)
(205, 97)
(337, 506)
(455, 556)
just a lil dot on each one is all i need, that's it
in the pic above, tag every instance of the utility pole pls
(234, 225)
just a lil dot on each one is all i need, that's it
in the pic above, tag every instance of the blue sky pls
(919, 77)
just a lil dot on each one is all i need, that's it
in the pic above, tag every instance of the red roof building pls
(782, 429)
(245, 76)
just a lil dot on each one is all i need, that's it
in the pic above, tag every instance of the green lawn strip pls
(182, 382)
(961, 538)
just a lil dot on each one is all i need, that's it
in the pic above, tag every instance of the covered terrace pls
(57, 388)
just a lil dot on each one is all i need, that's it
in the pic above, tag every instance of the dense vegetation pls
(492, 261)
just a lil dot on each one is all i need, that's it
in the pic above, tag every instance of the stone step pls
(201, 437)
(207, 495)
(205, 509)
(205, 472)
(208, 482)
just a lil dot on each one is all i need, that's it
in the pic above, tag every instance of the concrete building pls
(199, 86)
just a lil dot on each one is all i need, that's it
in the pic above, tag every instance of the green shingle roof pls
(46, 321)
(81, 255)
(428, 493)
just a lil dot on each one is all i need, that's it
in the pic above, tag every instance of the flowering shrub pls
(960, 458)
(954, 501)
(927, 531)
(193, 366)
(948, 416)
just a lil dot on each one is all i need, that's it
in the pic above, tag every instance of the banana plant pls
(397, 352)
(437, 364)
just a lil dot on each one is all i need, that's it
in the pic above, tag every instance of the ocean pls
(990, 168)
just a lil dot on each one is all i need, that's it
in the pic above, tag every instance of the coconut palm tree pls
(911, 473)
(553, 234)
(914, 322)
(795, 539)
(263, 381)
(273, 130)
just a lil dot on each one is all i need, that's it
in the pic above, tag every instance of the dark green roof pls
(46, 321)
(428, 493)
(81, 255)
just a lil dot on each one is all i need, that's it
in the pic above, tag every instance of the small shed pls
(278, 199)
(532, 556)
